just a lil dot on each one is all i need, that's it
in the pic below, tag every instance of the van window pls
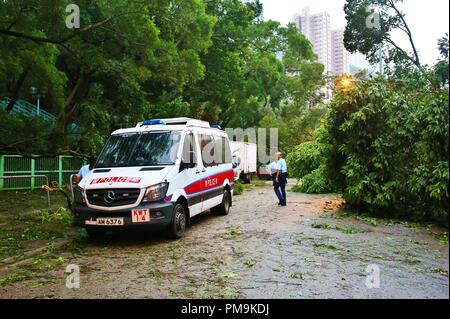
(226, 154)
(117, 151)
(215, 150)
(207, 147)
(222, 150)
(189, 151)
(140, 149)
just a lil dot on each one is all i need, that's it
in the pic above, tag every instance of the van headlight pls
(156, 192)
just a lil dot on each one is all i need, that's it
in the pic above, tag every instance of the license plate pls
(109, 221)
(140, 216)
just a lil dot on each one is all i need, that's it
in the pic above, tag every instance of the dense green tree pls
(216, 60)
(389, 146)
(371, 23)
(441, 69)
(300, 109)
(127, 58)
(220, 92)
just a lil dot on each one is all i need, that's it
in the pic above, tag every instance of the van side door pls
(213, 176)
(191, 172)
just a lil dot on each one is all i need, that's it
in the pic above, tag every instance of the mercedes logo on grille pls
(109, 197)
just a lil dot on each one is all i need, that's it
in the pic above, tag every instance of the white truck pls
(244, 160)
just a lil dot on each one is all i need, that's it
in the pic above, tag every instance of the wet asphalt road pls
(259, 251)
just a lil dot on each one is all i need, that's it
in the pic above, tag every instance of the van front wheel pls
(178, 225)
(224, 208)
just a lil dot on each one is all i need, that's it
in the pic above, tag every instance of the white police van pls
(159, 174)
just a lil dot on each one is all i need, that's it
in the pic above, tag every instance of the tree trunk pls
(16, 89)
(71, 103)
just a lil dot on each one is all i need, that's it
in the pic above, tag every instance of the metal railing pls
(32, 177)
(56, 169)
(28, 109)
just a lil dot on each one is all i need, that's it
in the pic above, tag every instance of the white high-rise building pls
(339, 55)
(317, 28)
(328, 44)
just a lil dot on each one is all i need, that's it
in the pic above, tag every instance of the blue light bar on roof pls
(216, 126)
(153, 122)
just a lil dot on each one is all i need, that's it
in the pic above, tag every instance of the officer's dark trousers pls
(280, 188)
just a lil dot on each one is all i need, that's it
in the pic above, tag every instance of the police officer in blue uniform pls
(84, 170)
(281, 179)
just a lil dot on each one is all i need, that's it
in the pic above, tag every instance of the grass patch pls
(296, 276)
(238, 188)
(369, 220)
(29, 201)
(276, 269)
(256, 182)
(61, 215)
(440, 271)
(326, 246)
(342, 229)
(442, 238)
(29, 231)
(156, 273)
(348, 230)
(321, 226)
(37, 266)
(235, 233)
(229, 275)
(249, 263)
(365, 218)
(386, 220)
(411, 260)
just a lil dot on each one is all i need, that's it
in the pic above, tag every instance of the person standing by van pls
(84, 170)
(281, 179)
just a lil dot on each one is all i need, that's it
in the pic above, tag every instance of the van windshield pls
(140, 149)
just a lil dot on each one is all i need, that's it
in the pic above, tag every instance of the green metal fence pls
(56, 169)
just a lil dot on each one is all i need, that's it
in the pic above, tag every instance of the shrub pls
(316, 182)
(306, 163)
(238, 188)
(389, 147)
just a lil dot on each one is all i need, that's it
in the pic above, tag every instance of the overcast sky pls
(428, 20)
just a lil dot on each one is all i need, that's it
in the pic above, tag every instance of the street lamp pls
(345, 82)
(38, 93)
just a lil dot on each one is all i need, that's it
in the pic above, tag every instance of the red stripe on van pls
(210, 182)
(207, 183)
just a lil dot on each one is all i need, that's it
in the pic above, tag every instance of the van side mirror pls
(185, 165)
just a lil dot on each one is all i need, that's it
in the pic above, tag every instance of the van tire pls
(224, 208)
(177, 226)
(246, 178)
